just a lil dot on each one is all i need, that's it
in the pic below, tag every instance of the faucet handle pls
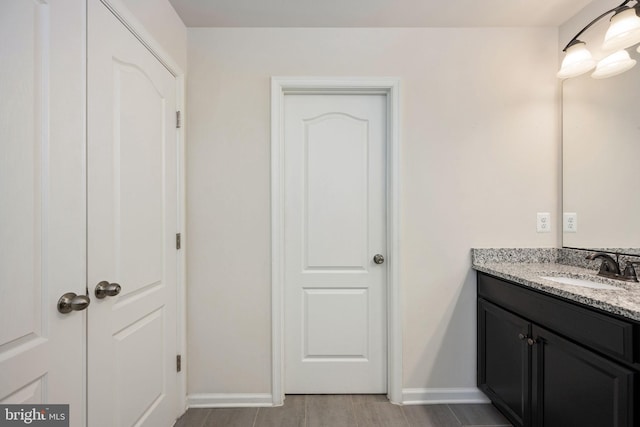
(629, 273)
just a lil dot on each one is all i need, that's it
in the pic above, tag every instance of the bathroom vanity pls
(554, 354)
(558, 355)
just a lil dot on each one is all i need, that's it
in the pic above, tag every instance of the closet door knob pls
(378, 258)
(106, 289)
(71, 302)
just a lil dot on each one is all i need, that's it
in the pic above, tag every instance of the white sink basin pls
(579, 282)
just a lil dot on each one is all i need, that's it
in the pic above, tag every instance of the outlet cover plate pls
(570, 222)
(543, 225)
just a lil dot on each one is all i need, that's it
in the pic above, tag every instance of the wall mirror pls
(601, 162)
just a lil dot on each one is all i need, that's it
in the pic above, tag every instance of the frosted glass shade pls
(623, 32)
(614, 64)
(578, 60)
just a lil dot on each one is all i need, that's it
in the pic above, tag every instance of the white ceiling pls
(376, 13)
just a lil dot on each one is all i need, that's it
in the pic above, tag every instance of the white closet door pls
(132, 208)
(42, 225)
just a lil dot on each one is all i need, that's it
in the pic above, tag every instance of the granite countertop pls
(526, 270)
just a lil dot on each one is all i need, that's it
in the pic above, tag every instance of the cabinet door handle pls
(531, 341)
(522, 337)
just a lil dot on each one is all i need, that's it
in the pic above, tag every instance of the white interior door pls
(42, 227)
(132, 224)
(335, 223)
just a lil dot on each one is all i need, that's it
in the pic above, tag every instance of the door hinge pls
(178, 241)
(178, 120)
(178, 363)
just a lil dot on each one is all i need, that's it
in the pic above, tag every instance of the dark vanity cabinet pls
(545, 361)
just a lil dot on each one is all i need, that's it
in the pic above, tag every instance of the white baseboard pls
(410, 396)
(229, 400)
(422, 396)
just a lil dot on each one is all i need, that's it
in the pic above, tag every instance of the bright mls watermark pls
(34, 415)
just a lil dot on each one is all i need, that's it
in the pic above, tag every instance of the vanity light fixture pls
(616, 63)
(623, 32)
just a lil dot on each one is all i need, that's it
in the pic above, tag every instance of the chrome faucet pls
(611, 267)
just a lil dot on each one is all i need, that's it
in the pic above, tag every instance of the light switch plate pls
(570, 222)
(543, 224)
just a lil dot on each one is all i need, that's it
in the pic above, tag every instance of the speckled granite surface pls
(576, 257)
(520, 255)
(526, 266)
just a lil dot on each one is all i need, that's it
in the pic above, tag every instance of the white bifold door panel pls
(132, 224)
(335, 223)
(42, 228)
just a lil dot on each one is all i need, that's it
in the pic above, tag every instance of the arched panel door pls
(132, 224)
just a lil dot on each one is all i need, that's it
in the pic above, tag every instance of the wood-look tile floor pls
(346, 411)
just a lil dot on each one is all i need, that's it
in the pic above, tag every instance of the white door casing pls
(42, 225)
(132, 222)
(335, 220)
(314, 298)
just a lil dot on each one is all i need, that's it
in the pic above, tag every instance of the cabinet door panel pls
(574, 386)
(504, 360)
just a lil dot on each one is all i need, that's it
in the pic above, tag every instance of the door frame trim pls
(390, 87)
(119, 9)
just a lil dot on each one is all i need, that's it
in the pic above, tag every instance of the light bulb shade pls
(578, 60)
(614, 64)
(623, 32)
